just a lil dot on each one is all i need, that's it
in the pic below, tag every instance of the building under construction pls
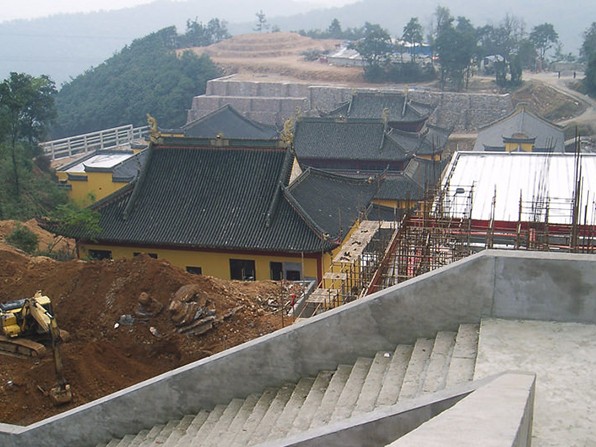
(514, 201)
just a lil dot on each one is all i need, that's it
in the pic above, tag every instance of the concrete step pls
(416, 371)
(196, 423)
(261, 407)
(336, 386)
(114, 442)
(351, 392)
(151, 435)
(240, 419)
(373, 383)
(165, 433)
(311, 403)
(223, 423)
(139, 438)
(463, 359)
(438, 365)
(208, 425)
(179, 431)
(394, 377)
(273, 412)
(126, 441)
(286, 418)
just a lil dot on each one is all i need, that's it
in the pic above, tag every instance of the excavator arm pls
(60, 393)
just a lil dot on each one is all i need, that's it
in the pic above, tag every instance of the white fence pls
(95, 141)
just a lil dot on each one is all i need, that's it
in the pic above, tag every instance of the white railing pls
(95, 141)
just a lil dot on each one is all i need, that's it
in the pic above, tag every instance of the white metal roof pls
(105, 161)
(538, 178)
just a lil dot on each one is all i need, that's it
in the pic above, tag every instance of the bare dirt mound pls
(102, 356)
(279, 55)
(547, 102)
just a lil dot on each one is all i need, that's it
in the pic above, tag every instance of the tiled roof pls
(229, 123)
(358, 139)
(373, 105)
(194, 195)
(333, 201)
(129, 169)
(426, 173)
(400, 187)
(232, 196)
(430, 141)
(522, 124)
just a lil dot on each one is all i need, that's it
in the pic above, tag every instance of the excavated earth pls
(105, 354)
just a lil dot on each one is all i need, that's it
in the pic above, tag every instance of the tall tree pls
(261, 21)
(543, 37)
(27, 108)
(334, 31)
(588, 54)
(413, 35)
(376, 46)
(456, 47)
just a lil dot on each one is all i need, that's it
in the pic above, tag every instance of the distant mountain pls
(64, 46)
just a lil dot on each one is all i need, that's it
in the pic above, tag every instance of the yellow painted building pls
(100, 174)
(229, 210)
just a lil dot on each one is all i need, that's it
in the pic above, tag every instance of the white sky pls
(30, 9)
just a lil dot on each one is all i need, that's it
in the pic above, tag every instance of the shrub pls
(23, 238)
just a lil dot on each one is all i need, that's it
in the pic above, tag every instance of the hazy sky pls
(29, 9)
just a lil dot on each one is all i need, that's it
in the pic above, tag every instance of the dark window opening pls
(293, 275)
(242, 269)
(194, 270)
(277, 271)
(100, 254)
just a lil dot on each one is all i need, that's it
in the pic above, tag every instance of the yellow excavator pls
(26, 325)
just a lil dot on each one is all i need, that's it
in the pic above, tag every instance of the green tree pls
(375, 48)
(413, 35)
(588, 47)
(26, 109)
(148, 76)
(334, 31)
(543, 37)
(456, 47)
(588, 55)
(261, 22)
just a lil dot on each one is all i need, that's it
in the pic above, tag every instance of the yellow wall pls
(514, 147)
(396, 204)
(211, 263)
(98, 184)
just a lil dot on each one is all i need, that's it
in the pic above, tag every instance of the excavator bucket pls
(60, 395)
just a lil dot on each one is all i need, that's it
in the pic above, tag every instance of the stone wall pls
(274, 102)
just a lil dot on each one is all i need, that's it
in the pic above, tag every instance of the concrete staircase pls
(411, 370)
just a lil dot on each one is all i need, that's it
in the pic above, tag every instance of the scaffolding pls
(352, 268)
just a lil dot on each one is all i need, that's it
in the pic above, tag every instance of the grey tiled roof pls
(229, 197)
(373, 104)
(338, 139)
(522, 124)
(333, 201)
(229, 123)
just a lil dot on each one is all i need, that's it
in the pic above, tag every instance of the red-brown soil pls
(89, 298)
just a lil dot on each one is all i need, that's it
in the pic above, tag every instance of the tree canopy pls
(148, 76)
(544, 37)
(26, 110)
(588, 54)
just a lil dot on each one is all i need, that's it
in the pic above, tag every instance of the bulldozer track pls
(21, 348)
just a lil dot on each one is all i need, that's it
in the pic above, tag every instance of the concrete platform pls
(563, 356)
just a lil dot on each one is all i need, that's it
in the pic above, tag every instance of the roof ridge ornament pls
(154, 133)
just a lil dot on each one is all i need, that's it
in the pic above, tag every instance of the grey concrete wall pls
(498, 414)
(491, 283)
(498, 408)
(463, 112)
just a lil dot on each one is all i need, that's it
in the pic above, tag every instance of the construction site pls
(446, 227)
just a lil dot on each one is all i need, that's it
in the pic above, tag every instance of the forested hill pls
(144, 77)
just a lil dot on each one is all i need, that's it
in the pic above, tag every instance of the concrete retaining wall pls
(463, 112)
(531, 285)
